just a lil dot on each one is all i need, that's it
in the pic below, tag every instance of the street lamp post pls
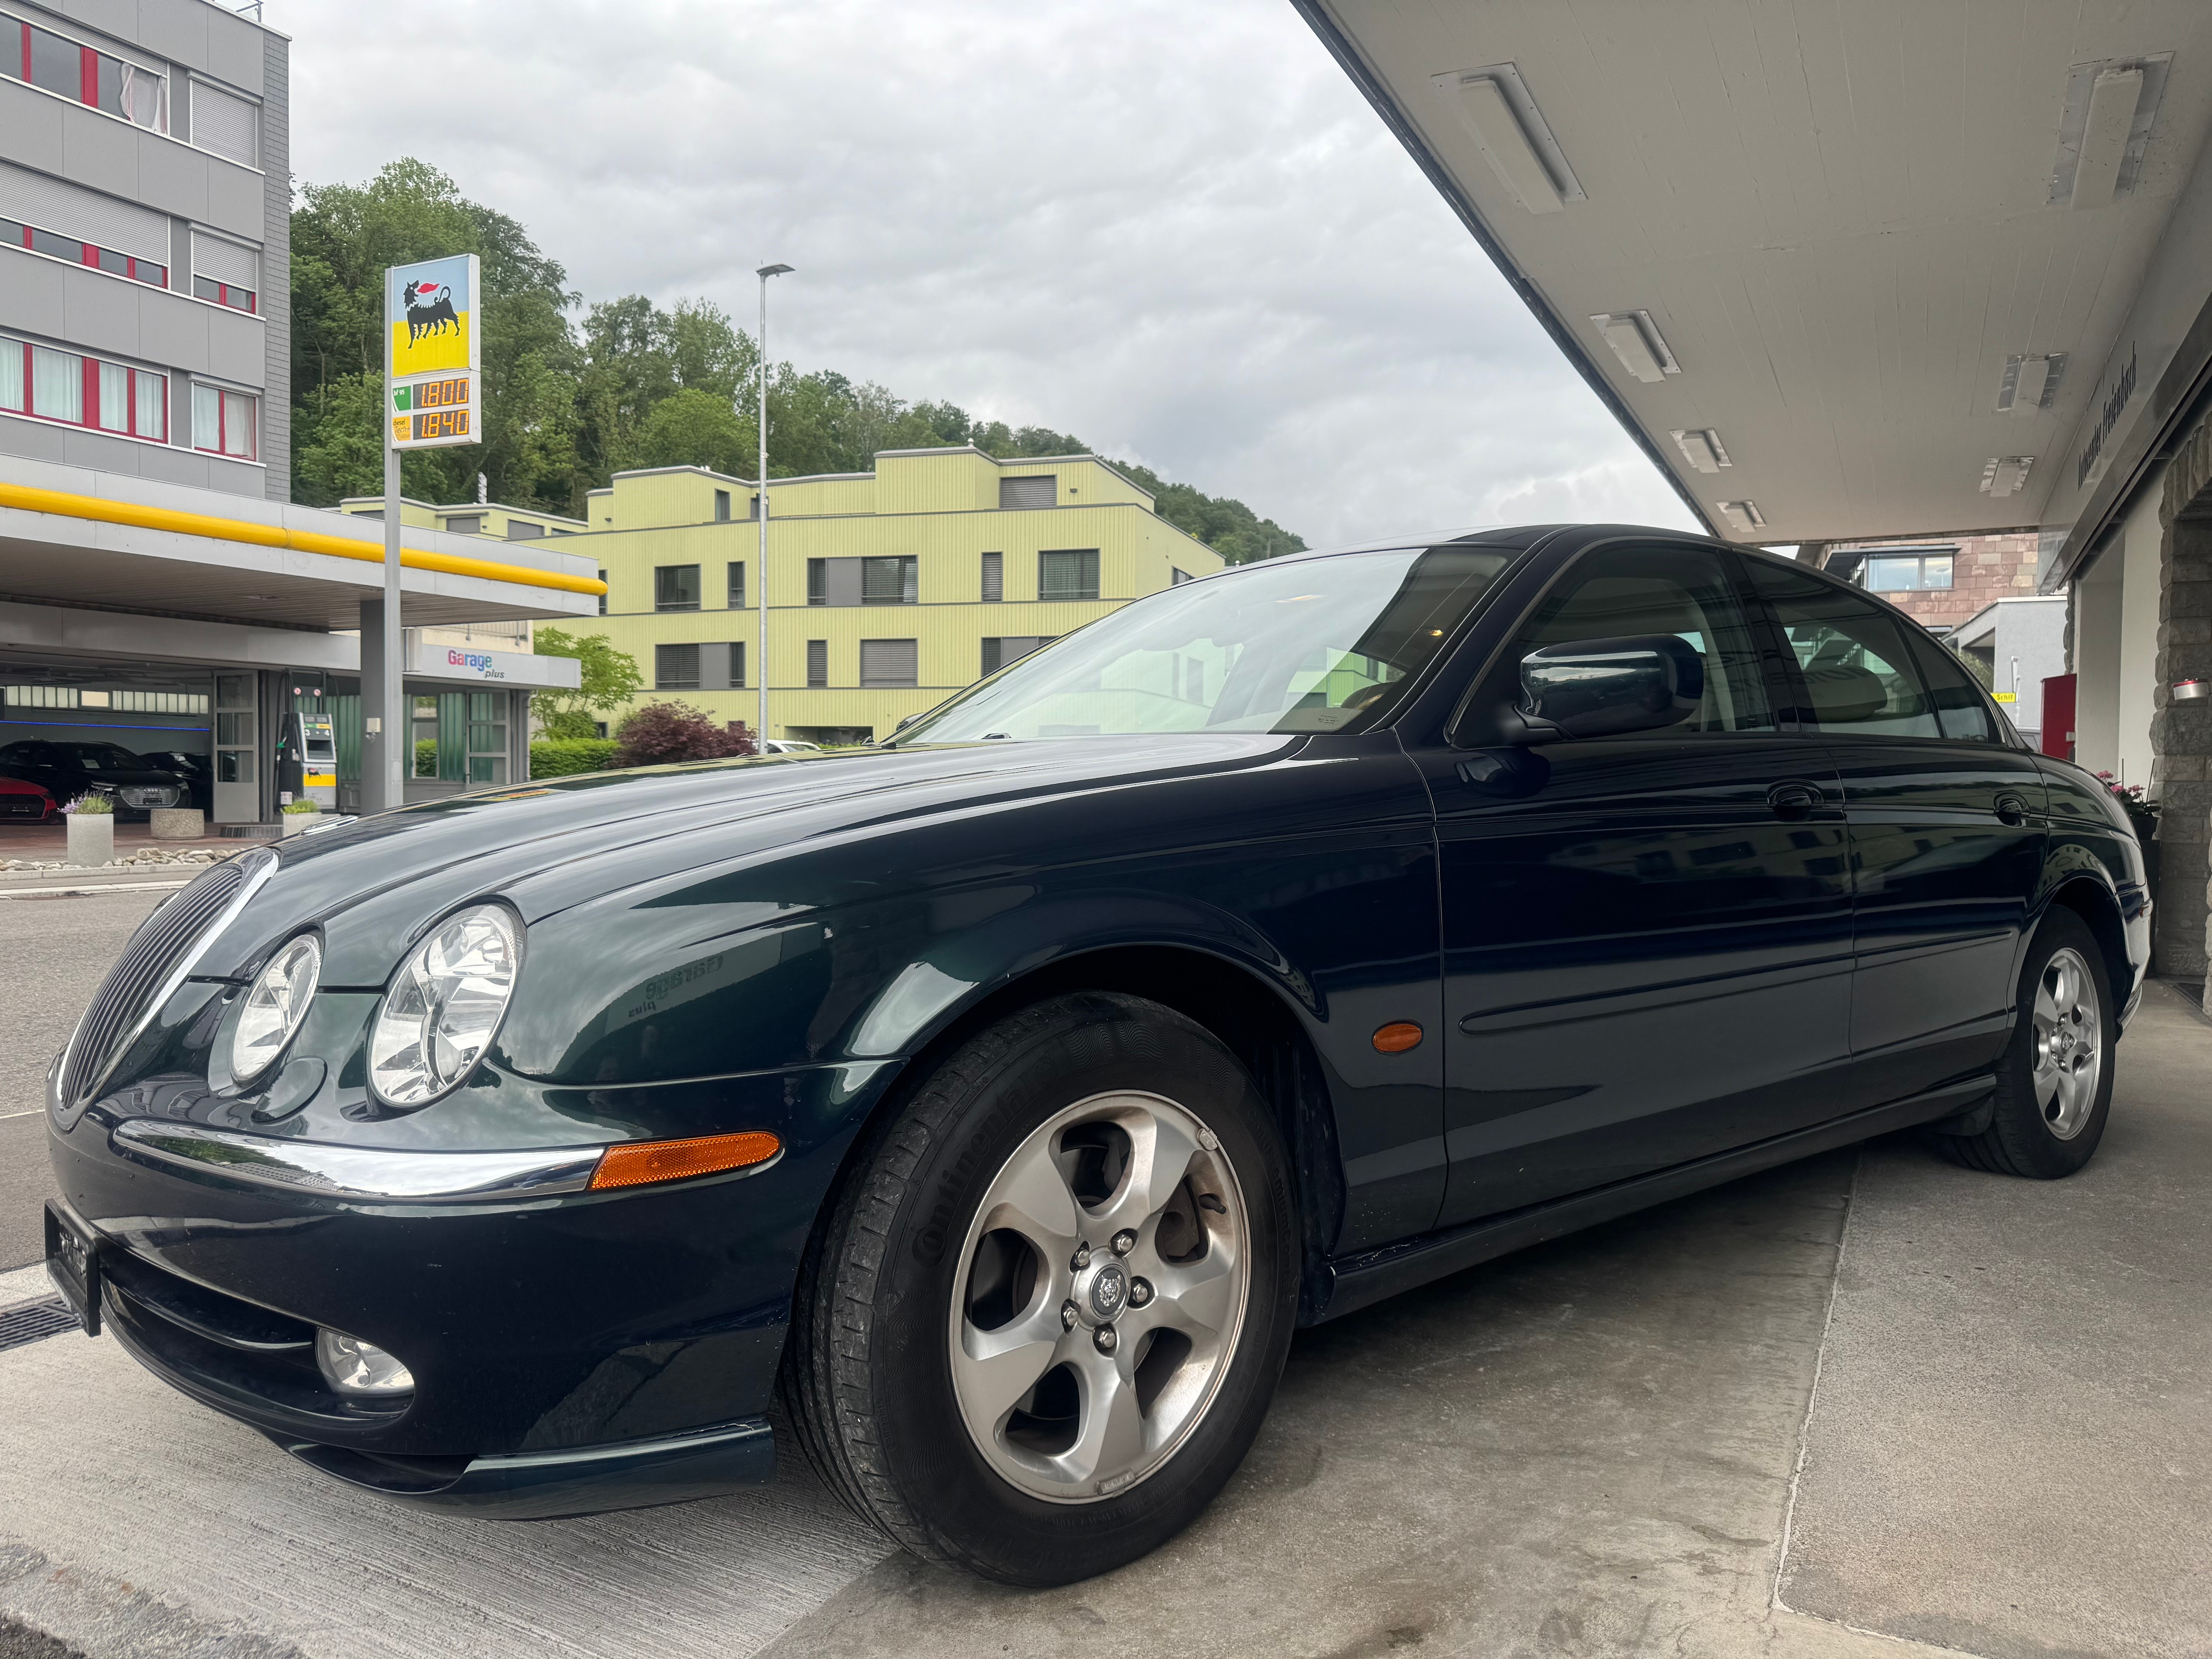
(760, 570)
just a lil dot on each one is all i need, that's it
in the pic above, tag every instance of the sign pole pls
(397, 727)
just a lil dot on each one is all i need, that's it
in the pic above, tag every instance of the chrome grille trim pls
(383, 1174)
(159, 957)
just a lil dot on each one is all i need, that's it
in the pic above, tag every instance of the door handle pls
(1794, 800)
(2011, 810)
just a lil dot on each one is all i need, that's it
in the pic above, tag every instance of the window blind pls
(226, 262)
(227, 126)
(890, 662)
(55, 204)
(1029, 492)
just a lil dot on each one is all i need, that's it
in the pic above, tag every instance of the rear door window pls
(1858, 670)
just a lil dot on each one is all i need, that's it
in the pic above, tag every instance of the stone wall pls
(1985, 569)
(2181, 733)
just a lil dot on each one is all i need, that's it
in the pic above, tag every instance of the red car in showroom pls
(22, 801)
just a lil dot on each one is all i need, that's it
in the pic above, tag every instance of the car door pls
(1647, 938)
(1947, 818)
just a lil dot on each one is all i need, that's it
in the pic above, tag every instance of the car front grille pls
(145, 799)
(13, 805)
(126, 996)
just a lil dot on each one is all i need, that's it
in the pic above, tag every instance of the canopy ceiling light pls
(1744, 516)
(2030, 383)
(2006, 475)
(1703, 449)
(1636, 340)
(2104, 127)
(1494, 107)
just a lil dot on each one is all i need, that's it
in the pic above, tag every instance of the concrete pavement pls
(1853, 1407)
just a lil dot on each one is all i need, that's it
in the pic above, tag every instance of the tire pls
(2055, 1081)
(913, 1318)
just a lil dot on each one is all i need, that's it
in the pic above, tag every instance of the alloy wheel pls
(1103, 1286)
(2070, 1043)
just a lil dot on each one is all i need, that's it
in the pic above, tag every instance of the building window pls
(737, 581)
(676, 668)
(890, 663)
(721, 506)
(222, 293)
(16, 234)
(603, 597)
(77, 391)
(736, 664)
(465, 524)
(1073, 575)
(521, 530)
(1177, 578)
(817, 581)
(676, 587)
(83, 76)
(225, 422)
(1011, 647)
(1029, 492)
(227, 126)
(891, 581)
(1907, 572)
(995, 578)
(818, 662)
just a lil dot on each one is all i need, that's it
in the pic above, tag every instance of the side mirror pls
(1602, 687)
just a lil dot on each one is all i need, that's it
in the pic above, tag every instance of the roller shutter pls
(67, 209)
(226, 262)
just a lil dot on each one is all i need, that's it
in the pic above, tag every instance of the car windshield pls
(99, 758)
(1311, 645)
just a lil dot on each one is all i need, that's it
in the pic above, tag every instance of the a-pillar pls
(2181, 732)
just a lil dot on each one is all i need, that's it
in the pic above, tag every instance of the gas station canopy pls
(1887, 268)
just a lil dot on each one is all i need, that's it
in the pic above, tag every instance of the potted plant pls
(2142, 817)
(298, 815)
(91, 828)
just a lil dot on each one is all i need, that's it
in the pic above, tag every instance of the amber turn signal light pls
(1397, 1036)
(643, 1161)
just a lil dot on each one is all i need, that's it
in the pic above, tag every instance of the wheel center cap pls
(1109, 1292)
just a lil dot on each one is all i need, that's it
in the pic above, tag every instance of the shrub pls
(91, 805)
(300, 805)
(565, 757)
(426, 758)
(661, 732)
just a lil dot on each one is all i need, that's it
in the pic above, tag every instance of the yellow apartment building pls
(888, 591)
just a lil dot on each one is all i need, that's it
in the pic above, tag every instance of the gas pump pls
(307, 760)
(318, 760)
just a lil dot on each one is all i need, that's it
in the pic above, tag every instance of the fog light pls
(358, 1368)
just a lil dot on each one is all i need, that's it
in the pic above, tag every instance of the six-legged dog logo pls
(427, 314)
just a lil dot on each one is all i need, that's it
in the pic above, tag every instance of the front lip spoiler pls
(544, 1486)
(371, 1174)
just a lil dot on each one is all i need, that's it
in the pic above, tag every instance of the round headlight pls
(275, 1006)
(444, 1005)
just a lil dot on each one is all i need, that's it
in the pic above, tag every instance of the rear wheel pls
(2055, 1082)
(1047, 1314)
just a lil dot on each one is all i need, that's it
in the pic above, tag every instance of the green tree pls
(609, 678)
(689, 428)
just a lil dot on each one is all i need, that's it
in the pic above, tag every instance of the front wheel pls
(1047, 1314)
(2055, 1082)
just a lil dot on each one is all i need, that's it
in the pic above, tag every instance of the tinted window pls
(1854, 657)
(1682, 591)
(676, 587)
(1960, 710)
(99, 758)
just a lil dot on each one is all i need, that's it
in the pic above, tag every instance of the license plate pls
(73, 1263)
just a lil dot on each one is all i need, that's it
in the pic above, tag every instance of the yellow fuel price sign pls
(433, 356)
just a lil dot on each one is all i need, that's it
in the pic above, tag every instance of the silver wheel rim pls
(2070, 1043)
(1101, 1292)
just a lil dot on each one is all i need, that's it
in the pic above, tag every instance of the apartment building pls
(888, 591)
(145, 203)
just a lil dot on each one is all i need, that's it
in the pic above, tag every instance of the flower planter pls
(291, 823)
(91, 838)
(178, 823)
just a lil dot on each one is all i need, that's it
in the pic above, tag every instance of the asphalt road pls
(53, 954)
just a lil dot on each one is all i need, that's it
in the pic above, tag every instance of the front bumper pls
(573, 1351)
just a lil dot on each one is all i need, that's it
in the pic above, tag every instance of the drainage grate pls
(35, 1320)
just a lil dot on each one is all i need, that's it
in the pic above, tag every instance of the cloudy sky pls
(1173, 229)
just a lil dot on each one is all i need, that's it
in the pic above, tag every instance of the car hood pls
(546, 846)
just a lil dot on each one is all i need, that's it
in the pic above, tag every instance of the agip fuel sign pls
(432, 358)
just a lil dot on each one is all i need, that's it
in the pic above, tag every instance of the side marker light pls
(641, 1162)
(1397, 1037)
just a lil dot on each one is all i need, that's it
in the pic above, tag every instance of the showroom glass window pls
(1907, 572)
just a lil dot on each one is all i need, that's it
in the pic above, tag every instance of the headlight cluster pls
(275, 1005)
(444, 1005)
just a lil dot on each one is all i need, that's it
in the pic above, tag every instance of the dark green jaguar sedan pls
(984, 1110)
